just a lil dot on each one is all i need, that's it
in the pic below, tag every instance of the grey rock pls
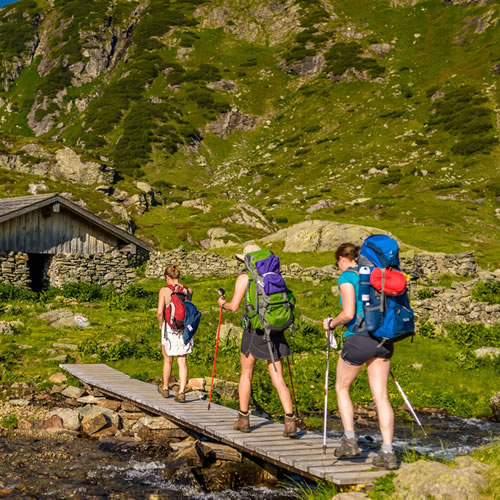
(90, 411)
(73, 392)
(424, 479)
(491, 352)
(495, 405)
(69, 416)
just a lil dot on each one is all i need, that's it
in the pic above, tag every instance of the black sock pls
(289, 415)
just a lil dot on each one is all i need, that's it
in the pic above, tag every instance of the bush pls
(345, 55)
(11, 292)
(474, 335)
(487, 291)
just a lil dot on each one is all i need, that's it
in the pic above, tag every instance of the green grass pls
(316, 139)
(124, 334)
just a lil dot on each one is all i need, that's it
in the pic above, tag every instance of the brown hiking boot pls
(290, 430)
(386, 459)
(348, 448)
(164, 392)
(180, 397)
(243, 423)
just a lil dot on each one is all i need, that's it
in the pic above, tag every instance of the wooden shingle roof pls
(11, 208)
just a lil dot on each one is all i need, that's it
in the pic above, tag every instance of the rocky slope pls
(258, 113)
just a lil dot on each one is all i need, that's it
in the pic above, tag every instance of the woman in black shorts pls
(360, 349)
(254, 347)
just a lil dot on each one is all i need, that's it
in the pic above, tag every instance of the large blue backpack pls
(386, 317)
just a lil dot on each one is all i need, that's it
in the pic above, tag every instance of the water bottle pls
(364, 285)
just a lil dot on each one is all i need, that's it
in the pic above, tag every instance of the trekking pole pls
(222, 293)
(329, 335)
(407, 401)
(293, 388)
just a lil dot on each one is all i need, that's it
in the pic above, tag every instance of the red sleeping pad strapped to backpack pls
(175, 311)
(394, 281)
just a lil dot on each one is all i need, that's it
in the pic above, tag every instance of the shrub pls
(474, 335)
(426, 293)
(344, 55)
(11, 292)
(487, 291)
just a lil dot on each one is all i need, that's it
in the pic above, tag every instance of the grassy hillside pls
(389, 114)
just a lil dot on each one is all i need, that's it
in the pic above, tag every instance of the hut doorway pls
(39, 264)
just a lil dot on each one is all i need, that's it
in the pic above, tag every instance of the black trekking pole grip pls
(221, 292)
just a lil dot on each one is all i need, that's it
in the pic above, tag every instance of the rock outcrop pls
(320, 236)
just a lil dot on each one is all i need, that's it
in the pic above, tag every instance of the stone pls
(69, 347)
(6, 328)
(24, 425)
(196, 384)
(491, 352)
(110, 404)
(89, 399)
(193, 454)
(70, 418)
(155, 423)
(233, 120)
(91, 411)
(94, 423)
(63, 358)
(128, 406)
(495, 405)
(110, 430)
(221, 451)
(144, 187)
(320, 236)
(73, 392)
(19, 402)
(423, 479)
(58, 378)
(53, 422)
(231, 330)
(56, 389)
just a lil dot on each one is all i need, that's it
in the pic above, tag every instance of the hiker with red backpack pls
(268, 312)
(171, 315)
(376, 312)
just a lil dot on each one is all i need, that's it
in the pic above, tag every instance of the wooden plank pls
(303, 455)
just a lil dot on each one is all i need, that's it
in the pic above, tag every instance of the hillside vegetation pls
(373, 112)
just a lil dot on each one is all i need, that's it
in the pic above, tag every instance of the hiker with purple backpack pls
(172, 332)
(263, 338)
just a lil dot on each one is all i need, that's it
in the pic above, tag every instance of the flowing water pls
(86, 469)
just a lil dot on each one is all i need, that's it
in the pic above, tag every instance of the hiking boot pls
(385, 459)
(243, 423)
(290, 430)
(164, 392)
(180, 397)
(348, 448)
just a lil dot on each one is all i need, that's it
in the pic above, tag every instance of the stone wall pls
(417, 265)
(455, 304)
(104, 269)
(14, 269)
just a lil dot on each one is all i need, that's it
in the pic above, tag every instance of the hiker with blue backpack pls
(171, 314)
(268, 313)
(376, 312)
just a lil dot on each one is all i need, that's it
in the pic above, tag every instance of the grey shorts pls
(253, 342)
(358, 349)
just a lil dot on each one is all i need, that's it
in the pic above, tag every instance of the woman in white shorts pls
(172, 340)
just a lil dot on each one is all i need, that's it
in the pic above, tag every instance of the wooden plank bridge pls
(303, 455)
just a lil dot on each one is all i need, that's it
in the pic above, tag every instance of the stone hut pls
(47, 240)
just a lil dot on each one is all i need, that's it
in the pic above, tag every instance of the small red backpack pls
(175, 311)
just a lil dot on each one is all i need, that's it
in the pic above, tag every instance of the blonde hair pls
(172, 272)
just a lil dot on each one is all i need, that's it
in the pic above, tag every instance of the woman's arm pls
(240, 288)
(161, 306)
(348, 308)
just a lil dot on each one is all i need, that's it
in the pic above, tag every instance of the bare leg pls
(280, 385)
(378, 372)
(346, 374)
(183, 372)
(245, 387)
(167, 367)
